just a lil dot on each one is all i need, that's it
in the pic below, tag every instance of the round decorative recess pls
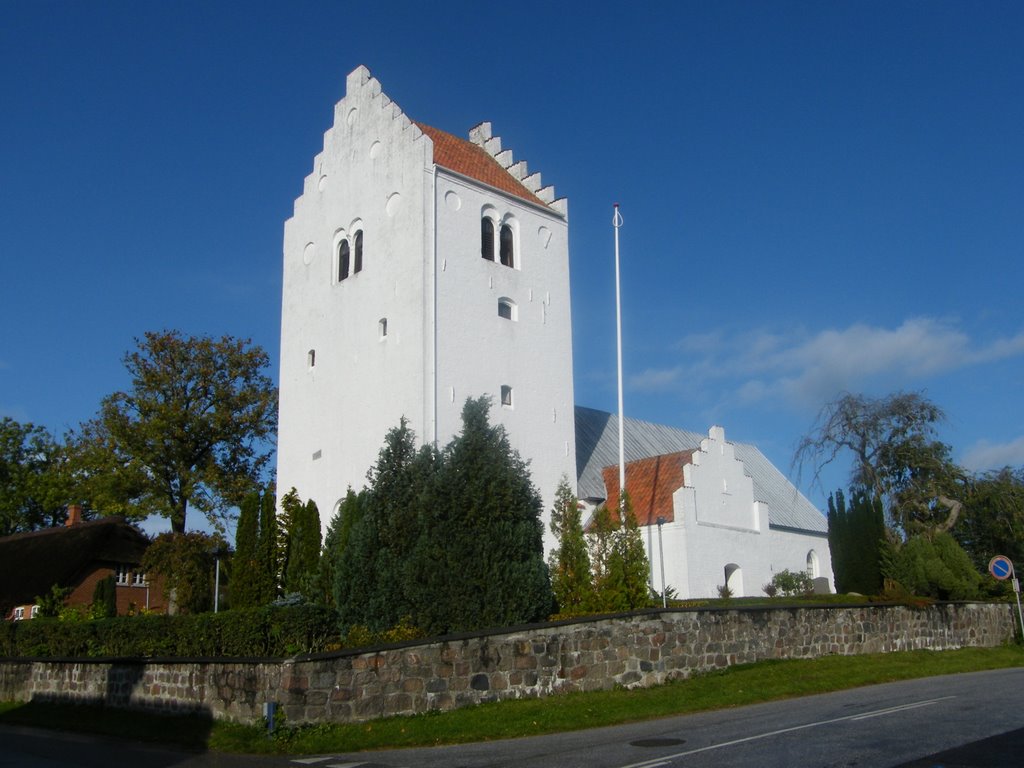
(452, 200)
(322, 183)
(393, 203)
(308, 253)
(375, 150)
(350, 118)
(545, 236)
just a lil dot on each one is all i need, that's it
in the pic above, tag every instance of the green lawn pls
(747, 684)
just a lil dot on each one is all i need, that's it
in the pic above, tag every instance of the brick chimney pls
(74, 515)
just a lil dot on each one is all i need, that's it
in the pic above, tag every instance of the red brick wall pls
(127, 596)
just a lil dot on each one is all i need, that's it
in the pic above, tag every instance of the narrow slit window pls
(487, 239)
(343, 260)
(311, 358)
(382, 328)
(506, 396)
(506, 247)
(357, 265)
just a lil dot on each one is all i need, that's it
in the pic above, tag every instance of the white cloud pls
(654, 379)
(984, 455)
(803, 367)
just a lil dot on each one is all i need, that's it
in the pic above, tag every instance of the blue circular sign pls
(1000, 567)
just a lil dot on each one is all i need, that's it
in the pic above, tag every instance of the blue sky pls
(818, 197)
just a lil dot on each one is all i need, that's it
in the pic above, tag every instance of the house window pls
(358, 261)
(487, 238)
(505, 246)
(19, 613)
(343, 260)
(139, 579)
(35, 612)
(507, 309)
(382, 328)
(506, 396)
(124, 575)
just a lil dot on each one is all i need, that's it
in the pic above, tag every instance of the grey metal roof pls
(597, 446)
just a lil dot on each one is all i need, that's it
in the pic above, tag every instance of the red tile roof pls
(651, 483)
(466, 158)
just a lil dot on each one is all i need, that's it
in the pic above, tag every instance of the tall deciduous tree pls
(993, 519)
(896, 457)
(186, 562)
(569, 564)
(34, 486)
(190, 432)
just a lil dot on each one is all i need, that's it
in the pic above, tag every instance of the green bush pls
(789, 583)
(264, 632)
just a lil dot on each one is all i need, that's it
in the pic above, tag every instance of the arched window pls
(358, 265)
(505, 246)
(813, 569)
(343, 259)
(507, 309)
(487, 238)
(734, 580)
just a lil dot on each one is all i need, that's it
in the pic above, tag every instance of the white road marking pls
(665, 759)
(311, 760)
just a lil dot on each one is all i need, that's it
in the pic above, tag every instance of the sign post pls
(1001, 567)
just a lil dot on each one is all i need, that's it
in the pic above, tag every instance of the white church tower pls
(420, 269)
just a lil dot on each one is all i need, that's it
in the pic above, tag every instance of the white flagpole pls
(616, 223)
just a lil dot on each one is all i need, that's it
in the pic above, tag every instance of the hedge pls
(255, 632)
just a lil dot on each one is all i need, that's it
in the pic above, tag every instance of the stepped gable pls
(469, 159)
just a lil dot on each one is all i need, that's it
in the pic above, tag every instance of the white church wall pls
(798, 551)
(480, 351)
(720, 533)
(335, 412)
(344, 382)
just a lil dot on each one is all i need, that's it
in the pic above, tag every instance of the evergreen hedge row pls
(255, 632)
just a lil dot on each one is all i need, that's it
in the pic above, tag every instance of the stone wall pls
(634, 650)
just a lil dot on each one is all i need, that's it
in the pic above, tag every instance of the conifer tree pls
(372, 558)
(299, 536)
(856, 539)
(569, 564)
(480, 558)
(335, 542)
(268, 569)
(243, 587)
(628, 564)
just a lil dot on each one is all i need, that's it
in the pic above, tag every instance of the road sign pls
(1000, 567)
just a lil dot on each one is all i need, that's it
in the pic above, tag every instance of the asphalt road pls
(960, 721)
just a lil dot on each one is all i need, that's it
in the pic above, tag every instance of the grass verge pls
(736, 686)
